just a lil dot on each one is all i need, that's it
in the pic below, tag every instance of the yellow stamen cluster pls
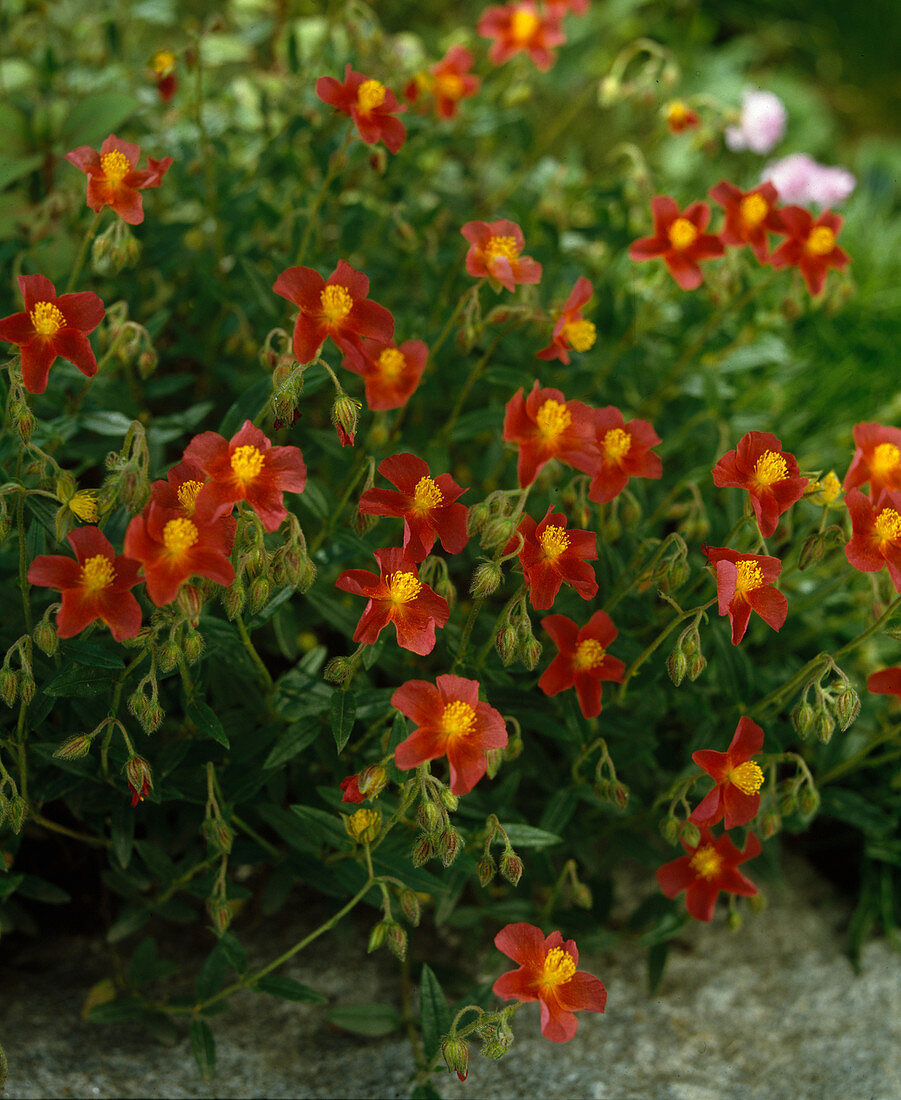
(676, 113)
(115, 166)
(449, 85)
(580, 334)
(403, 587)
(706, 862)
(364, 825)
(97, 573)
(558, 967)
(247, 461)
(163, 62)
(589, 654)
(749, 576)
(426, 495)
(885, 459)
(391, 363)
(179, 535)
(458, 718)
(371, 94)
(770, 468)
(888, 524)
(83, 504)
(616, 443)
(523, 25)
(336, 303)
(554, 540)
(682, 233)
(553, 419)
(502, 246)
(827, 489)
(821, 241)
(748, 777)
(187, 494)
(753, 209)
(46, 318)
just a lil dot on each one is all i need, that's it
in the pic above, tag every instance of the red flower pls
(186, 492)
(370, 104)
(94, 586)
(770, 475)
(559, 8)
(447, 82)
(547, 974)
(876, 460)
(390, 373)
(810, 246)
(571, 330)
(679, 117)
(450, 721)
(744, 583)
(495, 254)
(426, 504)
(138, 794)
(583, 661)
(706, 870)
(749, 215)
(350, 785)
(173, 548)
(734, 799)
(114, 178)
(679, 240)
(396, 596)
(50, 327)
(624, 451)
(247, 467)
(546, 426)
(885, 682)
(518, 26)
(163, 65)
(876, 534)
(336, 307)
(551, 554)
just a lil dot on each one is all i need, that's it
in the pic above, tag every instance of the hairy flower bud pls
(691, 834)
(456, 1056)
(487, 869)
(846, 706)
(16, 812)
(190, 602)
(448, 799)
(803, 719)
(494, 757)
(530, 652)
(677, 666)
(220, 914)
(396, 939)
(218, 835)
(824, 726)
(233, 599)
(9, 685)
(167, 656)
(372, 780)
(734, 920)
(27, 687)
(448, 845)
(697, 666)
(345, 415)
(429, 816)
(506, 643)
(258, 596)
(409, 903)
(809, 801)
(153, 717)
(485, 579)
(74, 747)
(812, 551)
(338, 670)
(511, 867)
(669, 828)
(422, 851)
(770, 824)
(377, 936)
(192, 646)
(582, 896)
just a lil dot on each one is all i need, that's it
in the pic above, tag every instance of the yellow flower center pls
(589, 654)
(187, 493)
(97, 573)
(682, 233)
(706, 862)
(46, 318)
(750, 576)
(553, 419)
(558, 967)
(885, 459)
(523, 25)
(830, 487)
(821, 241)
(426, 495)
(616, 443)
(676, 113)
(247, 462)
(391, 363)
(753, 208)
(502, 246)
(115, 166)
(748, 777)
(554, 540)
(163, 62)
(84, 505)
(458, 718)
(580, 334)
(371, 94)
(179, 535)
(336, 303)
(449, 85)
(888, 524)
(364, 821)
(770, 468)
(403, 587)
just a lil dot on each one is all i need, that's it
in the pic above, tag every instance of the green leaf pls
(526, 836)
(342, 713)
(9, 884)
(434, 1015)
(854, 809)
(76, 681)
(365, 1019)
(142, 965)
(14, 168)
(95, 654)
(114, 1012)
(203, 1046)
(425, 1091)
(289, 990)
(323, 827)
(40, 890)
(248, 404)
(122, 831)
(93, 119)
(160, 1026)
(657, 956)
(130, 920)
(293, 741)
(107, 422)
(234, 951)
(212, 973)
(206, 720)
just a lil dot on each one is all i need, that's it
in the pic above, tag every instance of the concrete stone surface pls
(774, 1012)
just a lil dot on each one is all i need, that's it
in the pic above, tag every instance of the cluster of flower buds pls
(514, 639)
(438, 837)
(493, 519)
(18, 683)
(144, 703)
(114, 249)
(511, 866)
(18, 411)
(686, 658)
(433, 571)
(837, 702)
(128, 481)
(496, 1033)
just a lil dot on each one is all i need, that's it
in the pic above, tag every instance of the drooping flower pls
(750, 215)
(679, 116)
(551, 555)
(139, 779)
(582, 661)
(51, 327)
(427, 504)
(162, 65)
(810, 245)
(885, 682)
(679, 240)
(770, 475)
(876, 460)
(350, 786)
(447, 82)
(876, 534)
(735, 799)
(94, 585)
(547, 973)
(706, 870)
(398, 596)
(450, 721)
(762, 123)
(799, 179)
(390, 372)
(744, 583)
(624, 451)
(337, 306)
(546, 426)
(520, 27)
(571, 330)
(369, 103)
(495, 254)
(247, 467)
(185, 493)
(114, 178)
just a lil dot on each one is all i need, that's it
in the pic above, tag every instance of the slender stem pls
(335, 162)
(355, 475)
(449, 323)
(467, 630)
(697, 612)
(883, 618)
(255, 836)
(252, 653)
(83, 251)
(474, 374)
(23, 563)
(55, 827)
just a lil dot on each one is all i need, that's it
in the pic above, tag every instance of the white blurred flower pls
(762, 124)
(799, 179)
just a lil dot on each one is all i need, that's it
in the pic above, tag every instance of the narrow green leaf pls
(80, 682)
(203, 1046)
(434, 1015)
(142, 965)
(122, 831)
(365, 1019)
(206, 720)
(322, 827)
(278, 986)
(342, 712)
(40, 890)
(657, 956)
(293, 741)
(212, 973)
(527, 836)
(114, 1012)
(234, 951)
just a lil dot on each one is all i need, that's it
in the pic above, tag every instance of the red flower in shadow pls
(734, 800)
(706, 870)
(583, 661)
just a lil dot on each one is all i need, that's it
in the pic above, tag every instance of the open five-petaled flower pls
(519, 27)
(679, 240)
(810, 245)
(369, 103)
(390, 372)
(551, 555)
(495, 253)
(877, 459)
(624, 451)
(583, 661)
(114, 178)
(770, 475)
(546, 426)
(734, 799)
(447, 82)
(875, 534)
(750, 215)
(571, 330)
(744, 583)
(707, 869)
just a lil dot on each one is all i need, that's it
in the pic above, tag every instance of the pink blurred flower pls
(799, 179)
(762, 123)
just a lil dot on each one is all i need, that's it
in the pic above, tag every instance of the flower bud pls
(456, 1056)
(803, 719)
(487, 869)
(396, 939)
(582, 896)
(429, 816)
(846, 706)
(147, 362)
(757, 903)
(669, 828)
(74, 748)
(46, 638)
(377, 937)
(530, 652)
(153, 717)
(506, 643)
(619, 795)
(677, 666)
(448, 845)
(494, 757)
(511, 867)
(167, 656)
(770, 824)
(220, 914)
(734, 920)
(477, 518)
(808, 801)
(690, 833)
(812, 550)
(485, 580)
(193, 646)
(138, 774)
(9, 685)
(65, 487)
(27, 688)
(422, 852)
(448, 799)
(788, 805)
(372, 780)
(221, 836)
(23, 420)
(259, 594)
(306, 574)
(190, 602)
(824, 726)
(338, 670)
(233, 599)
(498, 532)
(697, 666)
(16, 812)
(344, 416)
(409, 903)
